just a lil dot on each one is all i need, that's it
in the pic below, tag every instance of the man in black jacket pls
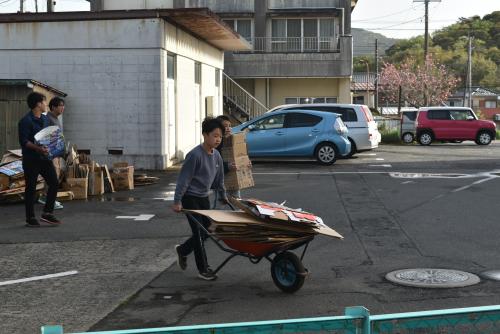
(36, 162)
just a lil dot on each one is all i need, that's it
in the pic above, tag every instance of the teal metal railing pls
(357, 320)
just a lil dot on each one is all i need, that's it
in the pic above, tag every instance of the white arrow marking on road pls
(37, 278)
(141, 217)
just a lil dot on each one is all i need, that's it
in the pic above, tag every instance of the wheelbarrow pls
(287, 270)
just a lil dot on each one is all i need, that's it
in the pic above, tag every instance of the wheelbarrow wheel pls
(288, 272)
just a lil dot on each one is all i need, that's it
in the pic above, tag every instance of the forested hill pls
(364, 42)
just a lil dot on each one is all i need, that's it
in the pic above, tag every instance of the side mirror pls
(470, 118)
(251, 127)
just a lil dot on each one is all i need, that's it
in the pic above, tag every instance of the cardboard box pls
(96, 182)
(123, 177)
(235, 139)
(4, 182)
(233, 152)
(78, 186)
(242, 177)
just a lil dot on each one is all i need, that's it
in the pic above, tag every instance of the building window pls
(217, 77)
(307, 100)
(475, 103)
(242, 27)
(303, 35)
(197, 73)
(490, 104)
(170, 66)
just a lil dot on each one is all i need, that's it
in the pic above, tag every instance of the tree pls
(421, 85)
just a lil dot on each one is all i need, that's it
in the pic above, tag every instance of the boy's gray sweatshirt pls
(199, 173)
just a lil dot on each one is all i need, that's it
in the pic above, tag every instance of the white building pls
(139, 82)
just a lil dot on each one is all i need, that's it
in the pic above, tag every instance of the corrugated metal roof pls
(201, 22)
(28, 82)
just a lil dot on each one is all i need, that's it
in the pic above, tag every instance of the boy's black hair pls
(223, 118)
(210, 124)
(55, 102)
(33, 99)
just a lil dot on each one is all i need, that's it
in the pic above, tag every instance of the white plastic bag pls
(53, 139)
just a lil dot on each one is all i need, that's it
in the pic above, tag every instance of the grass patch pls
(390, 137)
(497, 136)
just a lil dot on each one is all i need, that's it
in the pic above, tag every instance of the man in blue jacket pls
(36, 162)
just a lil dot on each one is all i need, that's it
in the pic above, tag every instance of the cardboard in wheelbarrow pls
(263, 229)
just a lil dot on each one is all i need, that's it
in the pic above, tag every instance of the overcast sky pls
(392, 18)
(405, 18)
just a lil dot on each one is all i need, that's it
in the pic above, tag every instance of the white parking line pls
(141, 217)
(383, 165)
(37, 278)
(366, 154)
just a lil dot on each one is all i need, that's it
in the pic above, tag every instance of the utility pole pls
(376, 74)
(426, 36)
(469, 73)
(36, 6)
(50, 6)
(21, 6)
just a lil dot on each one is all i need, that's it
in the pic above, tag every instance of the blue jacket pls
(28, 126)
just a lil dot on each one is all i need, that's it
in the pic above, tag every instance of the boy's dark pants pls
(32, 168)
(195, 243)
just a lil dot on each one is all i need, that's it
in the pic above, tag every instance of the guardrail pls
(357, 320)
(293, 45)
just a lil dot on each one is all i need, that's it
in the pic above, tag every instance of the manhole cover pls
(432, 278)
(491, 274)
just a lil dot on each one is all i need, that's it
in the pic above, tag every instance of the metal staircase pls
(239, 104)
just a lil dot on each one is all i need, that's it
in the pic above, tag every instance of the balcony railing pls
(293, 44)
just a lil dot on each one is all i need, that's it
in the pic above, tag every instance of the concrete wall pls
(114, 74)
(313, 87)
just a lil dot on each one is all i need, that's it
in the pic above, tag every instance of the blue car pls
(297, 133)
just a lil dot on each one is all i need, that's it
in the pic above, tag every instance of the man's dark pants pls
(32, 168)
(195, 243)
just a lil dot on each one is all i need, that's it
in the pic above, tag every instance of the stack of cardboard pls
(235, 152)
(266, 222)
(12, 182)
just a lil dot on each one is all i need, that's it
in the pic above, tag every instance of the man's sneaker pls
(49, 218)
(58, 205)
(42, 200)
(208, 275)
(181, 260)
(32, 222)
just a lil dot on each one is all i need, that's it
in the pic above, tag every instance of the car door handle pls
(280, 133)
(315, 130)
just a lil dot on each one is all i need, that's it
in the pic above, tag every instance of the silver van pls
(362, 128)
(407, 127)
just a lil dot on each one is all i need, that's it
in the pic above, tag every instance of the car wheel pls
(408, 138)
(425, 138)
(326, 154)
(353, 149)
(483, 138)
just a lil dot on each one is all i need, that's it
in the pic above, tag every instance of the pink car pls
(452, 124)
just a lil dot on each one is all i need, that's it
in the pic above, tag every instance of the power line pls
(379, 17)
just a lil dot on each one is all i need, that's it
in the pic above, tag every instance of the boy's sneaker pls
(49, 218)
(181, 260)
(32, 222)
(207, 275)
(57, 204)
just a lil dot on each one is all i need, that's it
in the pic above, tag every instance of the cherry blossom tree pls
(429, 84)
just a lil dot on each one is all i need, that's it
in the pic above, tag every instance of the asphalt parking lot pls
(397, 207)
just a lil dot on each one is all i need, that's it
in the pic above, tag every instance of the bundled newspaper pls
(52, 138)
